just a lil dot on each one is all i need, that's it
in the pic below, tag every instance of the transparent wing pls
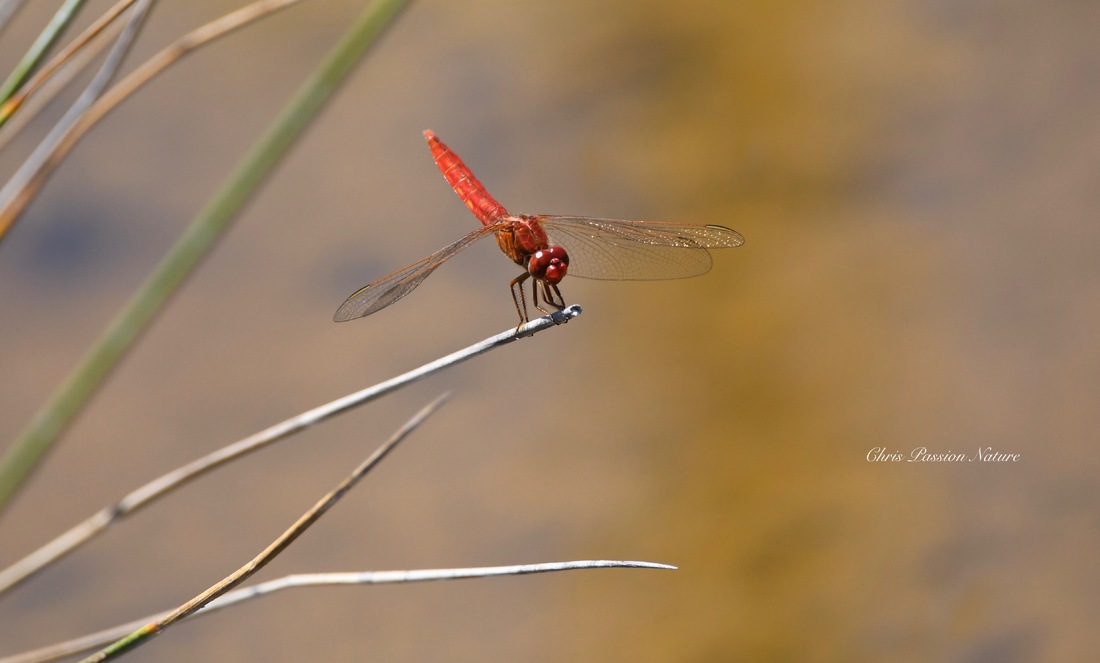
(616, 250)
(388, 289)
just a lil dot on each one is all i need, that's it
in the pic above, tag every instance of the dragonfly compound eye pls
(549, 264)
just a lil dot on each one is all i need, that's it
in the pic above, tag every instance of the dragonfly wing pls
(616, 250)
(392, 287)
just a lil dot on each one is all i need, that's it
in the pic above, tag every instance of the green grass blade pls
(40, 48)
(33, 443)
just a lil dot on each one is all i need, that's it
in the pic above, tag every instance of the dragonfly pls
(548, 247)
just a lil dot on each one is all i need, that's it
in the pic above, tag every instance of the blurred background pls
(916, 182)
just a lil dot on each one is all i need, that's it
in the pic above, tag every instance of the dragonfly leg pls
(521, 302)
(560, 302)
(550, 295)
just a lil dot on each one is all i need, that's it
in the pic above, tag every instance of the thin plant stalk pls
(145, 633)
(99, 522)
(40, 47)
(92, 92)
(87, 98)
(22, 188)
(196, 242)
(299, 580)
(16, 100)
(46, 88)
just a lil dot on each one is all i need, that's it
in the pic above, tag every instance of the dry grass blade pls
(66, 54)
(49, 87)
(17, 194)
(42, 45)
(38, 437)
(145, 633)
(93, 640)
(92, 527)
(39, 161)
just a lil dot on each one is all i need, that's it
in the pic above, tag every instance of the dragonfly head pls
(549, 265)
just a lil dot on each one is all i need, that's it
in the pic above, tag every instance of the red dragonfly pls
(597, 248)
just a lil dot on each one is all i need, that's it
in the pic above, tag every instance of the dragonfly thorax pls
(549, 264)
(521, 237)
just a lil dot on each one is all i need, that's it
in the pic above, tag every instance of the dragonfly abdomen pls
(469, 189)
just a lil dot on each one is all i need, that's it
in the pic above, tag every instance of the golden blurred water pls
(916, 185)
